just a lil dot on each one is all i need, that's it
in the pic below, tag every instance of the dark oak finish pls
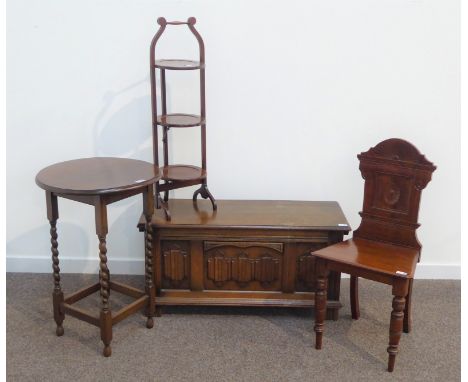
(247, 252)
(177, 176)
(179, 120)
(96, 176)
(181, 173)
(384, 248)
(354, 298)
(99, 182)
(178, 64)
(371, 255)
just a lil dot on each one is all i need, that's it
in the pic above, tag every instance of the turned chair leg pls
(148, 208)
(407, 320)
(354, 297)
(320, 302)
(396, 326)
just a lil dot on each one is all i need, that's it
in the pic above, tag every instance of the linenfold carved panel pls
(305, 267)
(231, 265)
(266, 269)
(175, 264)
(243, 269)
(220, 268)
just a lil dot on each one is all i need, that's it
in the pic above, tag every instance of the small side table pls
(99, 182)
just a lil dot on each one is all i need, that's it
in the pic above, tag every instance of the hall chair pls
(384, 248)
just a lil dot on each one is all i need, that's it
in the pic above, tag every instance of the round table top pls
(97, 176)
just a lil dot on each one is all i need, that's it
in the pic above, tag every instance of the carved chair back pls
(395, 173)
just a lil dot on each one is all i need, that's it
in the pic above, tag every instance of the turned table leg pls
(320, 301)
(57, 294)
(105, 314)
(148, 209)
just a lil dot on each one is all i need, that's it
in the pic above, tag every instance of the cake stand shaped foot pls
(149, 322)
(107, 351)
(158, 311)
(160, 203)
(205, 194)
(59, 331)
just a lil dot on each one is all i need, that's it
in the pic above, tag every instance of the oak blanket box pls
(247, 253)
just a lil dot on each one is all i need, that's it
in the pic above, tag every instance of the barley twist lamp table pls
(100, 182)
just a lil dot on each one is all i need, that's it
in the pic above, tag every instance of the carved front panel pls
(392, 193)
(243, 265)
(175, 257)
(305, 267)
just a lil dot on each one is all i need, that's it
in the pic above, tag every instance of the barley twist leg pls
(57, 294)
(105, 316)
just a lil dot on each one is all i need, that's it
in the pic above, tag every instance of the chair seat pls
(374, 256)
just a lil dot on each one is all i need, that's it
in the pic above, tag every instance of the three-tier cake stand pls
(176, 176)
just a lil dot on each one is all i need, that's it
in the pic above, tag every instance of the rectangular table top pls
(260, 214)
